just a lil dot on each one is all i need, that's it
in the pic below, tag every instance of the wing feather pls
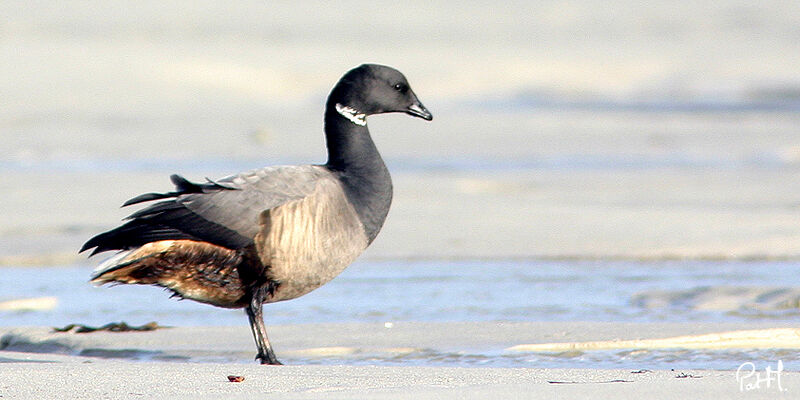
(224, 213)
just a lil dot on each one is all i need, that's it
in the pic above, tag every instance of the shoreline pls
(408, 342)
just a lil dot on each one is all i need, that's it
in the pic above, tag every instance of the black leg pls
(254, 313)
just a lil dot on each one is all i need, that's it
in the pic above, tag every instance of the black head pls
(375, 89)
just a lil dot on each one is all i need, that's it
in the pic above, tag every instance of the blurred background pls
(619, 139)
(581, 129)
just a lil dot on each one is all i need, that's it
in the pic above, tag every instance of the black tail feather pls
(159, 209)
(149, 197)
(133, 234)
(183, 186)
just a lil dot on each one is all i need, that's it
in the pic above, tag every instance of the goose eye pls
(400, 87)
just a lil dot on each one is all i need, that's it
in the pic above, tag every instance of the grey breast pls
(303, 227)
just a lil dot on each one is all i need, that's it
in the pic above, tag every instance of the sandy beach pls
(107, 379)
(37, 363)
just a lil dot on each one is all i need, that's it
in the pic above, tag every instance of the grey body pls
(307, 241)
(271, 234)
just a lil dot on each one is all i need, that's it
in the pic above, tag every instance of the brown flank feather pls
(198, 271)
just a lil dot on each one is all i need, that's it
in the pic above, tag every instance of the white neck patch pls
(352, 114)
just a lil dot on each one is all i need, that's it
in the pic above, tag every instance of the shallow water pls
(674, 291)
(445, 291)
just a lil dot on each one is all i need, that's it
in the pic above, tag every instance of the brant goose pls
(271, 234)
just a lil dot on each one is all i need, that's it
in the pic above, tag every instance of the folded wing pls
(224, 213)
